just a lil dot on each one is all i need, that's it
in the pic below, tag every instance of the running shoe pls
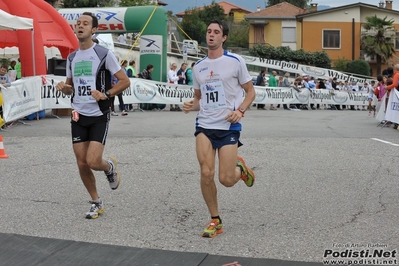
(113, 174)
(247, 175)
(124, 113)
(95, 209)
(213, 228)
(113, 113)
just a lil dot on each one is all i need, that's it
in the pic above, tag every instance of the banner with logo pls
(148, 91)
(21, 99)
(392, 110)
(109, 20)
(293, 67)
(151, 44)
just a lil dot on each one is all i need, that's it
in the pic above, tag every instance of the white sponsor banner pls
(22, 98)
(293, 67)
(50, 97)
(151, 44)
(392, 112)
(148, 91)
(269, 95)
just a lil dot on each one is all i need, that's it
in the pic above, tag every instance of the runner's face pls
(214, 36)
(84, 29)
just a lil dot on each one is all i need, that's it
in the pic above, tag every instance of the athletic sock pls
(216, 217)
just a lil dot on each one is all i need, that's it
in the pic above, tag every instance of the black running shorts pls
(90, 128)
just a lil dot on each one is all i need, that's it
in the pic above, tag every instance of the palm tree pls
(378, 39)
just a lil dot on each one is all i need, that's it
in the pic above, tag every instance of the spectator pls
(122, 106)
(172, 79)
(131, 73)
(189, 74)
(273, 83)
(122, 38)
(146, 73)
(4, 78)
(260, 81)
(286, 83)
(12, 65)
(181, 73)
(370, 97)
(354, 87)
(18, 69)
(388, 72)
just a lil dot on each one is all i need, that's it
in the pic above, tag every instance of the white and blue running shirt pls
(219, 81)
(91, 69)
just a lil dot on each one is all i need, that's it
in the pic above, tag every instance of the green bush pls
(360, 67)
(284, 53)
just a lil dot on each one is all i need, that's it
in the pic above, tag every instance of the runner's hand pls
(187, 106)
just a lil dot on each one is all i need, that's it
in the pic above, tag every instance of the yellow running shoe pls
(96, 209)
(247, 175)
(213, 228)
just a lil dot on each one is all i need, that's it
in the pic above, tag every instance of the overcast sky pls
(180, 5)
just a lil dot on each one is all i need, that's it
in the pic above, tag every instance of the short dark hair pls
(149, 66)
(94, 18)
(222, 24)
(123, 62)
(192, 64)
(132, 62)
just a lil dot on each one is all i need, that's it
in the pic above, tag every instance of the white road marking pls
(386, 142)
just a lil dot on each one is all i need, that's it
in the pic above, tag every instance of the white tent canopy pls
(11, 22)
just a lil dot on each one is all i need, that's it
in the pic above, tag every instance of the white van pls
(192, 47)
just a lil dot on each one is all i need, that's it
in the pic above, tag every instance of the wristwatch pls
(108, 94)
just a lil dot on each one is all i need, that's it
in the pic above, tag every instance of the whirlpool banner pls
(147, 91)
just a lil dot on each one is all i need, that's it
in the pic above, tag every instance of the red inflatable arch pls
(50, 29)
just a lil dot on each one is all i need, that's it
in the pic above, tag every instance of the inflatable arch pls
(50, 29)
(153, 41)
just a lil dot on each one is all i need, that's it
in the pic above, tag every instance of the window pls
(289, 34)
(397, 41)
(331, 39)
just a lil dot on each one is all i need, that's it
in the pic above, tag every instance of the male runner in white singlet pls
(89, 71)
(220, 80)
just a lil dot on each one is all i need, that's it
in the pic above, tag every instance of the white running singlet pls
(220, 83)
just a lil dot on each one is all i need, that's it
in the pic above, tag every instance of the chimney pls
(313, 7)
(258, 9)
(388, 4)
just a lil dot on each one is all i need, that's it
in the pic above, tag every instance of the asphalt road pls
(322, 181)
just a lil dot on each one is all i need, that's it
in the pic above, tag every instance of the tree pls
(298, 3)
(87, 3)
(360, 67)
(193, 26)
(52, 2)
(135, 3)
(211, 12)
(378, 39)
(238, 35)
(284, 53)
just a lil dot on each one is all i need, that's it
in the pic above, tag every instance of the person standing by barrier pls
(219, 81)
(173, 79)
(260, 81)
(131, 73)
(89, 71)
(273, 83)
(189, 74)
